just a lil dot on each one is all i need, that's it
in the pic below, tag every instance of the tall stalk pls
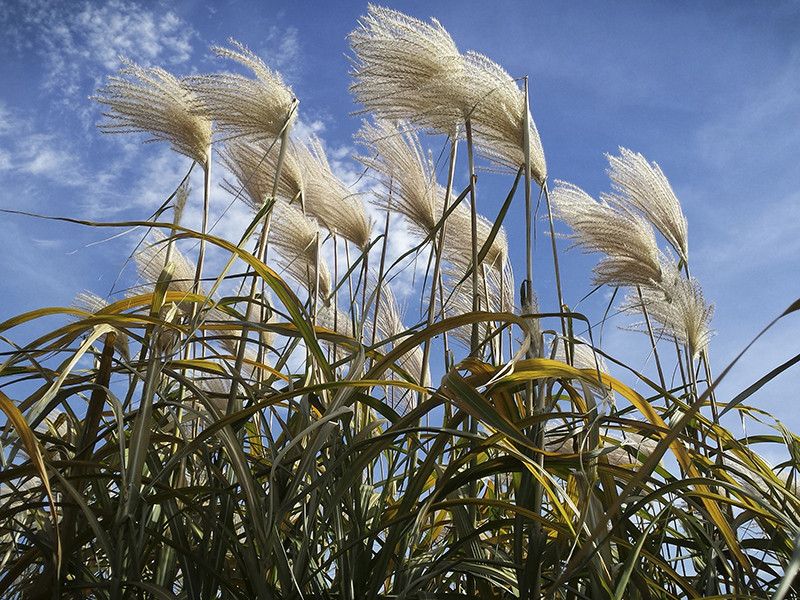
(379, 283)
(261, 255)
(476, 300)
(437, 265)
(204, 226)
(536, 542)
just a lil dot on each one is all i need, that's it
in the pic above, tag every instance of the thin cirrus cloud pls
(88, 40)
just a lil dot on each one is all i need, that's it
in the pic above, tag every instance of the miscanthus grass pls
(286, 427)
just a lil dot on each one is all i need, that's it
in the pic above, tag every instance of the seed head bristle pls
(390, 325)
(181, 196)
(644, 187)
(254, 164)
(613, 229)
(295, 238)
(408, 177)
(337, 207)
(677, 306)
(92, 303)
(258, 109)
(153, 101)
(405, 68)
(498, 118)
(150, 264)
(458, 241)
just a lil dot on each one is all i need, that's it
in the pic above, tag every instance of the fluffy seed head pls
(258, 109)
(678, 307)
(150, 262)
(498, 118)
(390, 325)
(458, 240)
(496, 292)
(608, 227)
(153, 101)
(644, 187)
(337, 207)
(254, 164)
(92, 303)
(406, 69)
(408, 177)
(295, 238)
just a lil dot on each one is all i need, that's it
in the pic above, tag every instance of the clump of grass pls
(226, 441)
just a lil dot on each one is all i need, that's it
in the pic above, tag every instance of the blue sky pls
(709, 90)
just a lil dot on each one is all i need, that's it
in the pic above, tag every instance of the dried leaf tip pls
(150, 100)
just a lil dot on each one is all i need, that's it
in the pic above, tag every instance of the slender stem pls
(652, 339)
(261, 255)
(350, 286)
(436, 281)
(204, 227)
(381, 267)
(335, 294)
(567, 353)
(528, 203)
(537, 431)
(476, 300)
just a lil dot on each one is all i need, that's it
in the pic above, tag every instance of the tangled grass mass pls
(278, 429)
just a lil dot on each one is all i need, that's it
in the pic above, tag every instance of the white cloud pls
(104, 33)
(80, 41)
(42, 155)
(5, 119)
(280, 50)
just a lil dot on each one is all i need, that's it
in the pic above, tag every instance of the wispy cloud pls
(280, 49)
(80, 40)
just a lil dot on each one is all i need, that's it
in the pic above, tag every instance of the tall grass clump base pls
(281, 429)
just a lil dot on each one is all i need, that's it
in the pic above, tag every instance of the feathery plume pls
(258, 109)
(390, 325)
(150, 262)
(181, 196)
(677, 306)
(608, 227)
(498, 118)
(496, 292)
(627, 451)
(399, 163)
(295, 239)
(644, 187)
(583, 356)
(406, 69)
(153, 101)
(458, 241)
(254, 168)
(338, 208)
(563, 439)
